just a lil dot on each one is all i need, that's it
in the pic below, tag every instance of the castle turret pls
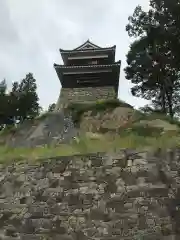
(89, 73)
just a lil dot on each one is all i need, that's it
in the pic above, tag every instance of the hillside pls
(92, 172)
(86, 128)
(48, 129)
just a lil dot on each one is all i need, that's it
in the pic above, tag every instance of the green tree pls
(3, 103)
(167, 16)
(14, 96)
(151, 61)
(27, 98)
(51, 107)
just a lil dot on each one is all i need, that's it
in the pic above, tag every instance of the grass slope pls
(129, 136)
(86, 144)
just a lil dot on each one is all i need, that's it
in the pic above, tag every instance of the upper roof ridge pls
(87, 45)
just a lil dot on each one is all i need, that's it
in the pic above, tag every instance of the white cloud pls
(31, 33)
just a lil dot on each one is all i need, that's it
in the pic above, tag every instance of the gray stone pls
(81, 95)
(88, 197)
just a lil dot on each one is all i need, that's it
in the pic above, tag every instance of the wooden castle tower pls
(89, 73)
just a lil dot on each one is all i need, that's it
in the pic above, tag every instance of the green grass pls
(85, 145)
(8, 130)
(154, 115)
(144, 131)
(137, 137)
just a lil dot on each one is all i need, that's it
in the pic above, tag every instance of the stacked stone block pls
(81, 95)
(88, 197)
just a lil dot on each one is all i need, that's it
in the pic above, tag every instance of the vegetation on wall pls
(78, 109)
(85, 145)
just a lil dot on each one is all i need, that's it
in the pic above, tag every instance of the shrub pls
(143, 131)
(157, 115)
(8, 130)
(147, 131)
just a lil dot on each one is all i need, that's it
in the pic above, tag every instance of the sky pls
(32, 31)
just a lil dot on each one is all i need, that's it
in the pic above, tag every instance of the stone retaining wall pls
(91, 197)
(68, 95)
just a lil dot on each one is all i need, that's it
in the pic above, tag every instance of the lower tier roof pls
(89, 76)
(87, 66)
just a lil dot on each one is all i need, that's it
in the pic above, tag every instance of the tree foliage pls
(3, 102)
(153, 61)
(21, 102)
(51, 107)
(28, 105)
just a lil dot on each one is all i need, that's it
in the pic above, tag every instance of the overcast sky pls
(32, 31)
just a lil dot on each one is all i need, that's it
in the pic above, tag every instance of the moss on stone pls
(78, 109)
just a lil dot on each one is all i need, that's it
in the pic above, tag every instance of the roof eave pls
(64, 51)
(85, 66)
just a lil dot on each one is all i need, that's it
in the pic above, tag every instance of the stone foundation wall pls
(91, 197)
(68, 95)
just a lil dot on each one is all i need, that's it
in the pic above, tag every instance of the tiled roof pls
(88, 66)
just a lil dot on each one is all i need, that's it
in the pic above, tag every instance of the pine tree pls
(14, 100)
(152, 59)
(3, 103)
(28, 105)
(51, 107)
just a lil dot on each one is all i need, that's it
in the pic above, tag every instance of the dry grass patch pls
(87, 144)
(18, 154)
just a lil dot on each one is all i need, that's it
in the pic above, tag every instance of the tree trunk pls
(170, 107)
(163, 100)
